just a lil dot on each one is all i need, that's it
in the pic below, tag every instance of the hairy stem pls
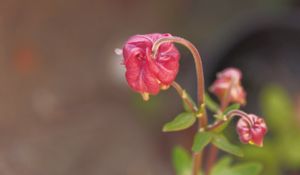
(197, 157)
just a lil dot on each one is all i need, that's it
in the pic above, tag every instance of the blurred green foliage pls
(223, 143)
(224, 167)
(182, 161)
(281, 151)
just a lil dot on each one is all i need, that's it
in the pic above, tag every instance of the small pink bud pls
(144, 73)
(228, 84)
(251, 129)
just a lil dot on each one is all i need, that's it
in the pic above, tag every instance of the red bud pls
(228, 84)
(251, 129)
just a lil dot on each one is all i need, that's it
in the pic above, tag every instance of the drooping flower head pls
(145, 73)
(228, 84)
(251, 129)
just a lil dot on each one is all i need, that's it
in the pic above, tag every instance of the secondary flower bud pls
(228, 85)
(144, 73)
(251, 129)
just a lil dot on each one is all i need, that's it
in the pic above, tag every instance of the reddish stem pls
(213, 151)
(230, 115)
(202, 124)
(197, 60)
(212, 156)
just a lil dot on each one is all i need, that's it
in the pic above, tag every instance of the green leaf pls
(278, 109)
(223, 167)
(247, 169)
(185, 104)
(221, 127)
(181, 122)
(211, 104)
(219, 116)
(222, 143)
(201, 140)
(181, 161)
(232, 107)
(280, 114)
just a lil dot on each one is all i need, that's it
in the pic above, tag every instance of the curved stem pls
(239, 113)
(198, 65)
(230, 115)
(197, 60)
(197, 157)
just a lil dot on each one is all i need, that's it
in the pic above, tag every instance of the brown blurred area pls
(64, 105)
(61, 111)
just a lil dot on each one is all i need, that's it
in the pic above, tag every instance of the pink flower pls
(251, 129)
(228, 85)
(144, 73)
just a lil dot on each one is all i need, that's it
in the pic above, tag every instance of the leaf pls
(201, 140)
(181, 122)
(247, 169)
(271, 154)
(276, 106)
(181, 160)
(221, 127)
(185, 104)
(232, 107)
(223, 167)
(211, 104)
(222, 143)
(280, 115)
(219, 116)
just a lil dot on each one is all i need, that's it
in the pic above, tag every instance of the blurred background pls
(65, 107)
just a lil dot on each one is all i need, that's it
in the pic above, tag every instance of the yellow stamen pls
(145, 96)
(251, 142)
(164, 87)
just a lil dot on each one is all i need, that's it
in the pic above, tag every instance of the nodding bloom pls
(228, 85)
(145, 73)
(251, 129)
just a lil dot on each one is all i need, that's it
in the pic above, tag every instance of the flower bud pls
(251, 129)
(145, 73)
(228, 85)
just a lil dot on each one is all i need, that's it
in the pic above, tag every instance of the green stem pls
(181, 92)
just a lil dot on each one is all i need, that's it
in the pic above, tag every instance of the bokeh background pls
(65, 107)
